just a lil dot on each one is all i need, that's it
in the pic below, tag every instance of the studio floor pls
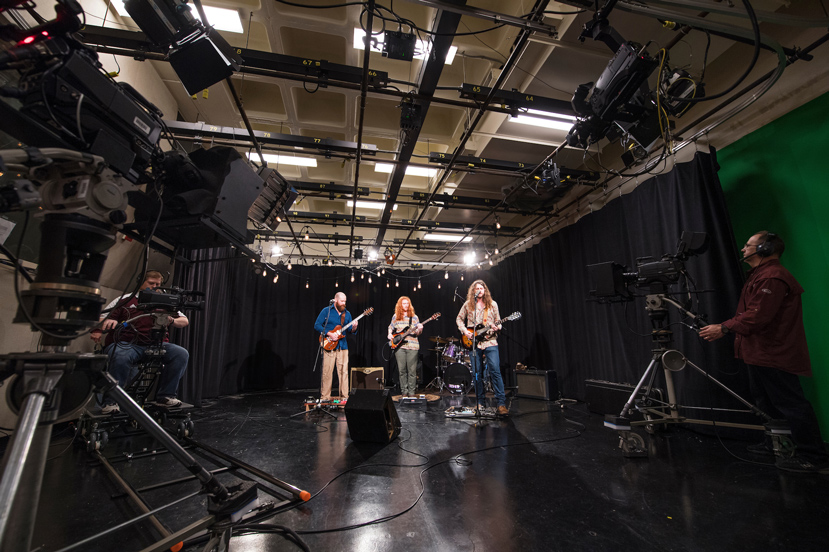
(548, 477)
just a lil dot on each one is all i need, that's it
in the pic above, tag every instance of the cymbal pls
(438, 339)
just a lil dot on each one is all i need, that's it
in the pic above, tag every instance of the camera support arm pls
(656, 301)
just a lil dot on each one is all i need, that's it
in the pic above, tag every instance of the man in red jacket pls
(769, 337)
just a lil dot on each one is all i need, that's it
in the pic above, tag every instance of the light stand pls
(672, 360)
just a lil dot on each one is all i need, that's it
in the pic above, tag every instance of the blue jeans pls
(124, 356)
(491, 361)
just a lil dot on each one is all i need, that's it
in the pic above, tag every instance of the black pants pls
(779, 394)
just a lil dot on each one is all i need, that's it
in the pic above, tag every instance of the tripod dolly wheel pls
(184, 428)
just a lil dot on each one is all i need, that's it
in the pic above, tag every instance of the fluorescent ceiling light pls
(543, 122)
(410, 171)
(222, 19)
(369, 205)
(285, 159)
(446, 237)
(422, 49)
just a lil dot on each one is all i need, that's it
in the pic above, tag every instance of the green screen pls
(776, 179)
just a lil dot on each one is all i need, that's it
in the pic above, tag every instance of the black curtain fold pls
(254, 334)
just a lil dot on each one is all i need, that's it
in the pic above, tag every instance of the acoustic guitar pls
(330, 344)
(482, 329)
(398, 338)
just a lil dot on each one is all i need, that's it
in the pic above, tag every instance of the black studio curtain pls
(256, 334)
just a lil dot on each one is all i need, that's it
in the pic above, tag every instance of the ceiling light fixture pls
(369, 205)
(447, 237)
(410, 171)
(284, 159)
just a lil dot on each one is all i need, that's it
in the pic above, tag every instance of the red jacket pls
(769, 321)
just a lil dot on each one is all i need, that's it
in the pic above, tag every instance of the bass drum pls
(458, 378)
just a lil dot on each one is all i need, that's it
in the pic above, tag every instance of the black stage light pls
(203, 61)
(199, 56)
(397, 45)
(277, 197)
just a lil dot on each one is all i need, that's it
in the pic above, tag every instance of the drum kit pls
(454, 369)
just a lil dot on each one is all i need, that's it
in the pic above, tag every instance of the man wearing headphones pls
(770, 338)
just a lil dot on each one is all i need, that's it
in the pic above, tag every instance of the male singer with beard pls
(329, 318)
(479, 308)
(769, 337)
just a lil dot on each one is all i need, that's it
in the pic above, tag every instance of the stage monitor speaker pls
(371, 416)
(367, 378)
(537, 384)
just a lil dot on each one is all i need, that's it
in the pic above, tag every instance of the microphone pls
(455, 295)
(331, 302)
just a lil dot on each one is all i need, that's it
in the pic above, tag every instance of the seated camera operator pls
(133, 339)
(771, 340)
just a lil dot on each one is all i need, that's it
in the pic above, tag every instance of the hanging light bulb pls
(461, 277)
(396, 283)
(289, 264)
(446, 275)
(414, 288)
(497, 223)
(330, 263)
(352, 277)
(307, 235)
(418, 283)
(362, 275)
(382, 271)
(369, 278)
(387, 283)
(264, 273)
(490, 262)
(336, 283)
(438, 285)
(307, 283)
(486, 256)
(275, 278)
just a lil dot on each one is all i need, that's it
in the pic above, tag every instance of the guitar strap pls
(342, 318)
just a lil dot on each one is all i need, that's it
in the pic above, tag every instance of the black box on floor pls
(371, 416)
(537, 384)
(607, 397)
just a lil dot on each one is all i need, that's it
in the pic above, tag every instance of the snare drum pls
(450, 351)
(458, 378)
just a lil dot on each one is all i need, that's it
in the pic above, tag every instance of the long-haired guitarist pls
(405, 321)
(480, 309)
(330, 320)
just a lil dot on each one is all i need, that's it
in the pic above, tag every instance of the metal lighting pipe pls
(516, 53)
(495, 17)
(363, 94)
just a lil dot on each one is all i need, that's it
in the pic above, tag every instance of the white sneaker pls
(110, 409)
(167, 401)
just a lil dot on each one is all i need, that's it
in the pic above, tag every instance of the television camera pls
(611, 281)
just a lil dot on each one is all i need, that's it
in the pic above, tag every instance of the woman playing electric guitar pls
(405, 321)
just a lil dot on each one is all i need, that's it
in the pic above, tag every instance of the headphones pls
(766, 249)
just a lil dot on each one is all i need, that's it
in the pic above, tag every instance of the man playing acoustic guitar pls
(328, 324)
(479, 308)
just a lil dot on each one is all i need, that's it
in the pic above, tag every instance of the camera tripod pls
(672, 360)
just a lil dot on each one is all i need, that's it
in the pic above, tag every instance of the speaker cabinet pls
(537, 384)
(367, 378)
(371, 416)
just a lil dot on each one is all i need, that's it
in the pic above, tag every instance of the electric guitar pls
(331, 344)
(399, 337)
(482, 329)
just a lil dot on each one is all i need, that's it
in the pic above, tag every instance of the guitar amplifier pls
(537, 384)
(367, 378)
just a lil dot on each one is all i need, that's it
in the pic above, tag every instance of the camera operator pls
(126, 347)
(771, 340)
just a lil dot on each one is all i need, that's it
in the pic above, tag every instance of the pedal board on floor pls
(419, 400)
(469, 412)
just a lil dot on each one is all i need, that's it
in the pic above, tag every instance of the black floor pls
(546, 478)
